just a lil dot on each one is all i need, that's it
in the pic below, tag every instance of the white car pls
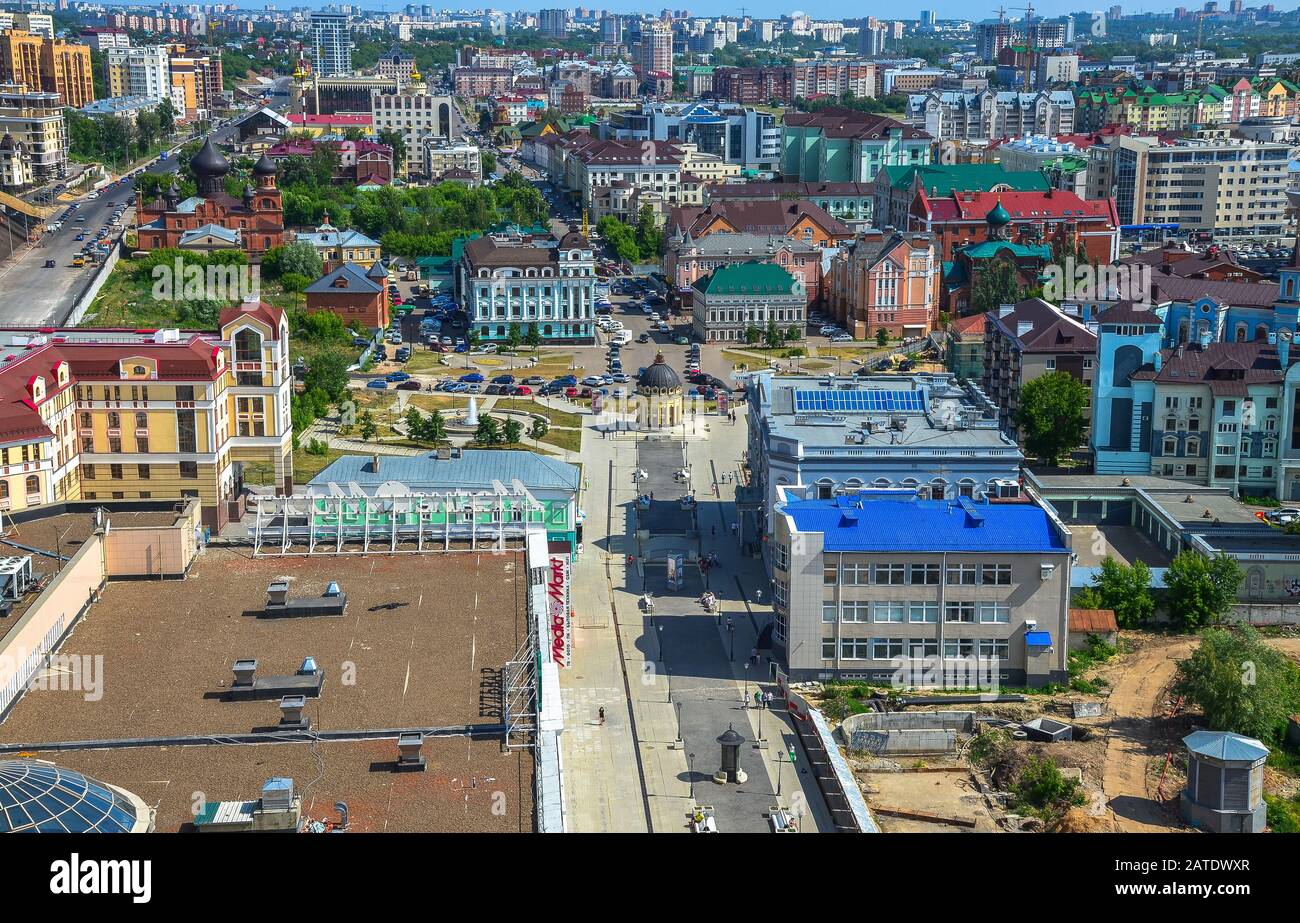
(1283, 515)
(841, 338)
(828, 331)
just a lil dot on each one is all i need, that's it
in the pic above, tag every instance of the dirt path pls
(1129, 746)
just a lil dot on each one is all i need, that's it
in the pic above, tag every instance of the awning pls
(1038, 638)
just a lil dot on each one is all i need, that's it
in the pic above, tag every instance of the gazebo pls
(661, 392)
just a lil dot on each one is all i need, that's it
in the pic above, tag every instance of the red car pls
(523, 390)
(570, 393)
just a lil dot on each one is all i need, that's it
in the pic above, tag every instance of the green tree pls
(435, 427)
(414, 423)
(1127, 590)
(397, 141)
(514, 336)
(1052, 415)
(793, 333)
(1201, 590)
(513, 431)
(997, 285)
(1043, 791)
(539, 429)
(882, 337)
(367, 426)
(329, 373)
(533, 337)
(301, 258)
(488, 432)
(753, 335)
(1241, 683)
(772, 338)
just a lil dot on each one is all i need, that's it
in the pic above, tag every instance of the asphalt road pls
(38, 296)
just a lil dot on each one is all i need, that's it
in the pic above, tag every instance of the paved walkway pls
(629, 774)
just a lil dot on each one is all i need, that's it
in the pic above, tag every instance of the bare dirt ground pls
(1138, 708)
(948, 794)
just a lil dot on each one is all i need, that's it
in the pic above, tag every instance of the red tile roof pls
(1022, 206)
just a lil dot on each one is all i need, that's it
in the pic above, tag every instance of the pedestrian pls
(767, 700)
(713, 531)
(753, 656)
(602, 714)
(758, 698)
(734, 528)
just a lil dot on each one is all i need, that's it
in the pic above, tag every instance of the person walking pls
(602, 714)
(758, 698)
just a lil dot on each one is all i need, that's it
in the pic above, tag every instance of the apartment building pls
(886, 587)
(895, 189)
(100, 415)
(418, 116)
(330, 43)
(477, 82)
(48, 65)
(616, 177)
(751, 86)
(1148, 110)
(809, 79)
(987, 115)
(35, 120)
(546, 284)
(655, 51)
(921, 432)
(844, 145)
(739, 297)
(1225, 185)
(441, 156)
(885, 280)
(140, 71)
(1028, 340)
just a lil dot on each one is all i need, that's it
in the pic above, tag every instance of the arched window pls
(825, 489)
(33, 484)
(1241, 333)
(1261, 331)
(1128, 359)
(4, 490)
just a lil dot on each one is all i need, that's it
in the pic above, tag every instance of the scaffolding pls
(395, 520)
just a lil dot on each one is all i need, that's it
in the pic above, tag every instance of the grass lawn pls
(568, 439)
(426, 362)
(306, 465)
(556, 417)
(444, 402)
(815, 365)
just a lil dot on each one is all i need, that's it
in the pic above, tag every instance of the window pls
(33, 484)
(780, 593)
(891, 611)
(958, 647)
(855, 611)
(781, 557)
(923, 612)
(115, 472)
(994, 613)
(996, 574)
(855, 649)
(959, 612)
(925, 574)
(189, 470)
(143, 472)
(88, 472)
(993, 648)
(961, 574)
(115, 443)
(922, 647)
(828, 648)
(830, 611)
(830, 576)
(857, 574)
(887, 648)
(891, 574)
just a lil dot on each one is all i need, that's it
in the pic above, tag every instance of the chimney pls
(374, 463)
(1157, 360)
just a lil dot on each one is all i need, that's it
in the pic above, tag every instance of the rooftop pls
(896, 521)
(475, 469)
(422, 638)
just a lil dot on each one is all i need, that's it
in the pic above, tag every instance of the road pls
(44, 297)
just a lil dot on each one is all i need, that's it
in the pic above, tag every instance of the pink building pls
(687, 260)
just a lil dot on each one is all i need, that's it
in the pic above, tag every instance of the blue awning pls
(1038, 638)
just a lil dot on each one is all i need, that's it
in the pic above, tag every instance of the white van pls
(623, 337)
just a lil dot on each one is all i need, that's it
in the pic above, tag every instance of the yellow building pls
(47, 65)
(111, 415)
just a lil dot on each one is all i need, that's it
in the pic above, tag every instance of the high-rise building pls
(611, 28)
(143, 71)
(553, 23)
(331, 44)
(47, 64)
(34, 119)
(656, 53)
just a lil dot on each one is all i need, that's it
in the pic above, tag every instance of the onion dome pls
(209, 161)
(265, 166)
(998, 216)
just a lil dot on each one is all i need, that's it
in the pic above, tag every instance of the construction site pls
(398, 693)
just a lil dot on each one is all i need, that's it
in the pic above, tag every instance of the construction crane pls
(1029, 42)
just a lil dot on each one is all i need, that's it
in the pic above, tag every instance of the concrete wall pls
(44, 625)
(152, 551)
(1261, 614)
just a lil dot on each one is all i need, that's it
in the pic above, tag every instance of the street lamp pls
(690, 773)
(731, 628)
(745, 700)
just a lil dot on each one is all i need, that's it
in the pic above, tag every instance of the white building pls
(418, 116)
(331, 45)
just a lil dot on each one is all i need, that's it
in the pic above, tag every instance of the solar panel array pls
(865, 401)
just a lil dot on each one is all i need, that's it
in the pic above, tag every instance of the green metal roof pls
(747, 279)
(939, 179)
(989, 248)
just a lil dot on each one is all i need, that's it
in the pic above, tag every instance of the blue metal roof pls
(476, 469)
(1225, 745)
(897, 523)
(1038, 638)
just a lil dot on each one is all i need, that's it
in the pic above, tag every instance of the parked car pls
(593, 381)
(397, 376)
(473, 378)
(411, 385)
(522, 390)
(504, 380)
(841, 338)
(1283, 515)
(378, 384)
(535, 380)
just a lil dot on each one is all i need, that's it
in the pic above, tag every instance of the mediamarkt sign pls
(560, 629)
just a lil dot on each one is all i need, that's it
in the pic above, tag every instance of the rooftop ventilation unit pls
(409, 755)
(291, 713)
(244, 670)
(277, 593)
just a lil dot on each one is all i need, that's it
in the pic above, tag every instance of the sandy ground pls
(949, 794)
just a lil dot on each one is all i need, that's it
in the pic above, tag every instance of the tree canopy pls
(1053, 415)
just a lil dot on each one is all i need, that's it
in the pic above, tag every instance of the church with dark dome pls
(213, 219)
